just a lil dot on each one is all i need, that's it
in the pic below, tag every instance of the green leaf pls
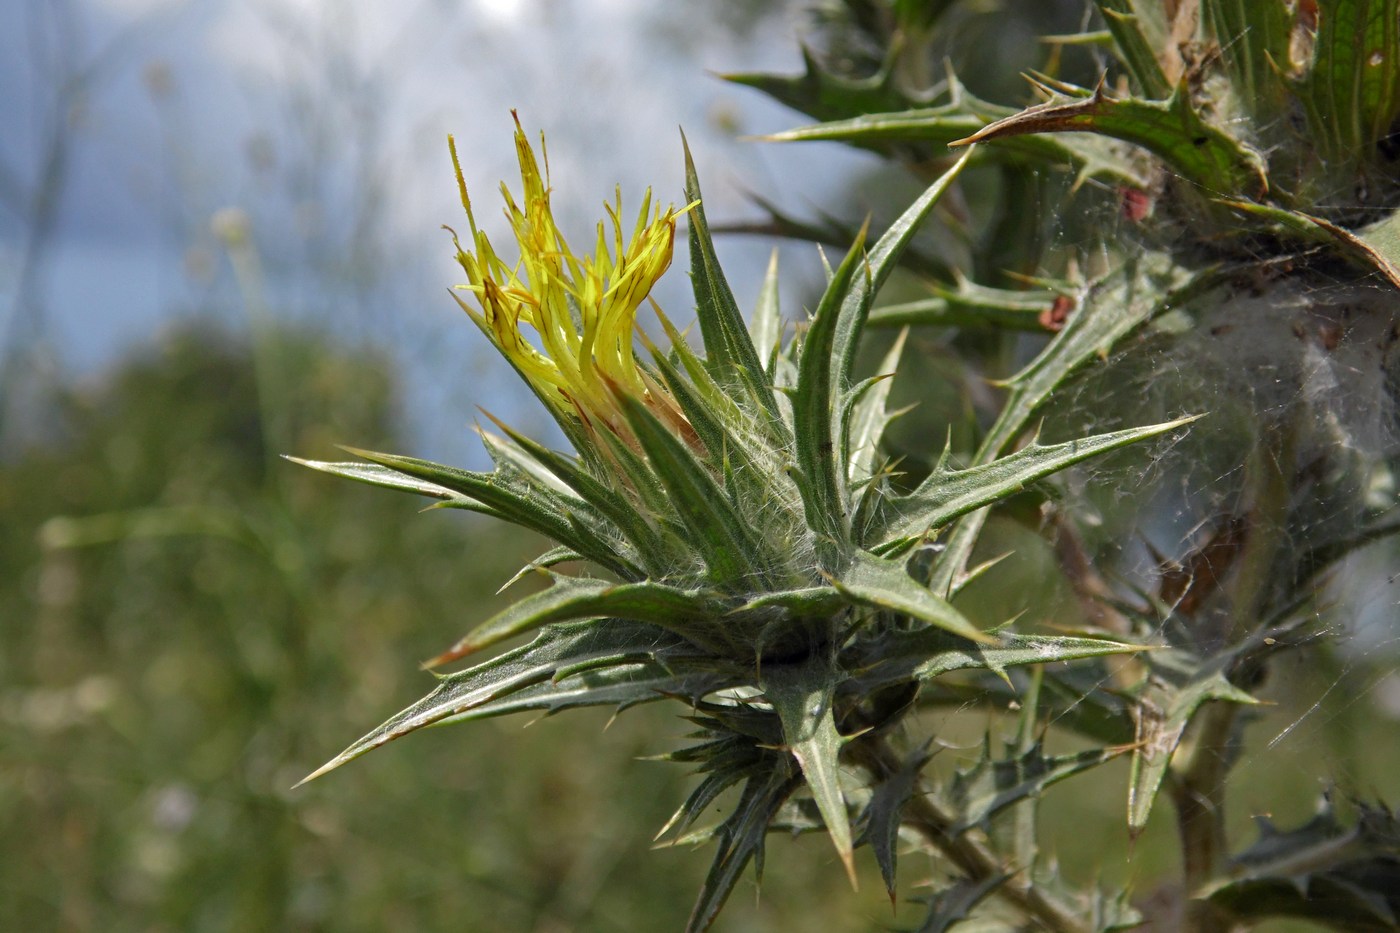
(556, 647)
(766, 324)
(826, 96)
(990, 786)
(375, 475)
(692, 614)
(1136, 291)
(898, 656)
(970, 305)
(1324, 871)
(729, 351)
(529, 505)
(883, 812)
(956, 122)
(1352, 92)
(884, 584)
(726, 758)
(884, 256)
(1253, 38)
(617, 685)
(820, 478)
(1135, 49)
(867, 417)
(801, 694)
(1382, 240)
(1205, 155)
(1375, 247)
(954, 904)
(947, 493)
(1164, 710)
(807, 601)
(731, 547)
(741, 838)
(1139, 289)
(550, 558)
(653, 549)
(717, 418)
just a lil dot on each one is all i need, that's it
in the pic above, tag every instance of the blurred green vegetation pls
(192, 625)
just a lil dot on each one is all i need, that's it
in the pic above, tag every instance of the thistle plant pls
(748, 550)
(1249, 151)
(748, 546)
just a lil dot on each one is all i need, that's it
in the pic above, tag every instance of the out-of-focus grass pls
(191, 625)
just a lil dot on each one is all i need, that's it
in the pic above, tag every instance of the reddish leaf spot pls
(1137, 204)
(1053, 318)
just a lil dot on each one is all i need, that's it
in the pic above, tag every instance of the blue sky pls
(323, 124)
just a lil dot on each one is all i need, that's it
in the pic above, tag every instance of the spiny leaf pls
(1163, 713)
(1344, 876)
(821, 480)
(826, 96)
(991, 785)
(941, 126)
(766, 324)
(897, 656)
(885, 584)
(550, 558)
(512, 460)
(1137, 52)
(741, 838)
(732, 549)
(620, 686)
(375, 475)
(947, 494)
(533, 507)
(954, 904)
(801, 694)
(729, 350)
(970, 305)
(884, 256)
(708, 401)
(653, 548)
(1375, 247)
(726, 761)
(1136, 291)
(556, 647)
(711, 423)
(1140, 288)
(688, 613)
(883, 813)
(1208, 157)
(867, 417)
(807, 601)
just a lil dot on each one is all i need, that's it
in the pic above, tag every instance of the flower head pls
(582, 309)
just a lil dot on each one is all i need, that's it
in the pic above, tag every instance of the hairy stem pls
(1199, 795)
(1200, 786)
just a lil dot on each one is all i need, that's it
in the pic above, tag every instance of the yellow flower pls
(582, 310)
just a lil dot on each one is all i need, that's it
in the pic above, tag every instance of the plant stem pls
(1199, 788)
(1199, 795)
(969, 850)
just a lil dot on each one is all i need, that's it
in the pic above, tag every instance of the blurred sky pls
(130, 125)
